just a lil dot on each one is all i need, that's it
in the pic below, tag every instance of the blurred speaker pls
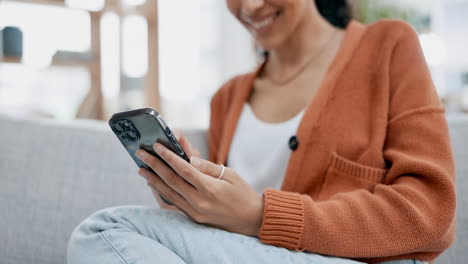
(12, 42)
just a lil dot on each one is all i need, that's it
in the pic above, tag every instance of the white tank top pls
(259, 151)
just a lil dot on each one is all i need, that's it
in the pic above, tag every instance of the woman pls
(342, 118)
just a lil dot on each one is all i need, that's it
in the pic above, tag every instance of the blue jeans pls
(139, 235)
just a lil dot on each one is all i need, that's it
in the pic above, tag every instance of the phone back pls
(141, 129)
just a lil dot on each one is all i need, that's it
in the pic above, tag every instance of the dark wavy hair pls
(336, 12)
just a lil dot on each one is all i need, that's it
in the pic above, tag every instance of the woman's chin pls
(268, 44)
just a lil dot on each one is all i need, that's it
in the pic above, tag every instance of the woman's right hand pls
(190, 151)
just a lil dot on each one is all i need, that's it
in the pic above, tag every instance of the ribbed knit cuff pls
(283, 219)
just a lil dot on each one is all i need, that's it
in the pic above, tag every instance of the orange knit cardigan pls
(373, 176)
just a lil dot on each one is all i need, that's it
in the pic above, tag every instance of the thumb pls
(206, 167)
(185, 144)
(177, 133)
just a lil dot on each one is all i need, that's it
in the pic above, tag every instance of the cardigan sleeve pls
(412, 211)
(214, 131)
(219, 106)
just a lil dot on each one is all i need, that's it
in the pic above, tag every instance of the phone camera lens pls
(117, 128)
(126, 124)
(132, 136)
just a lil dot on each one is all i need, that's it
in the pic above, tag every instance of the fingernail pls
(158, 148)
(140, 154)
(195, 161)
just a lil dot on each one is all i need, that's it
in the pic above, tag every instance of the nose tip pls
(249, 7)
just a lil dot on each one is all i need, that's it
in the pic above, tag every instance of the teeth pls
(262, 24)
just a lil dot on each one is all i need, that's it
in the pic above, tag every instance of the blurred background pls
(67, 59)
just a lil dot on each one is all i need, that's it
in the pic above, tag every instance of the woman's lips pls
(263, 25)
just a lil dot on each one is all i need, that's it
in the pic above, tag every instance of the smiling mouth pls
(263, 24)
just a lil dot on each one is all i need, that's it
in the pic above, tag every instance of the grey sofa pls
(54, 174)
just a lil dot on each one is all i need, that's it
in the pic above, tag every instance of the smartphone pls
(141, 129)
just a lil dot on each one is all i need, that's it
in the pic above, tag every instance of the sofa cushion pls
(54, 174)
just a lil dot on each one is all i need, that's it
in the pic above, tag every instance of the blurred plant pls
(369, 11)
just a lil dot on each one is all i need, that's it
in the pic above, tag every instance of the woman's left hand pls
(229, 203)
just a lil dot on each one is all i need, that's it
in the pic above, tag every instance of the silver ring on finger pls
(222, 172)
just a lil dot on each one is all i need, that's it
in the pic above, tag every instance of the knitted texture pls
(373, 176)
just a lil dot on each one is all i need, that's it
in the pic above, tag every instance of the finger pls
(185, 143)
(165, 173)
(188, 210)
(206, 167)
(182, 167)
(159, 187)
(164, 200)
(158, 197)
(211, 169)
(189, 149)
(177, 133)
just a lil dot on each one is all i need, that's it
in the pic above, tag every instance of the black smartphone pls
(141, 129)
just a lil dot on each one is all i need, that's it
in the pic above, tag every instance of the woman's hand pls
(190, 151)
(229, 203)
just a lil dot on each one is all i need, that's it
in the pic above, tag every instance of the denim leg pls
(108, 236)
(141, 235)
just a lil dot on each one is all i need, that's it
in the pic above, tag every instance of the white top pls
(260, 151)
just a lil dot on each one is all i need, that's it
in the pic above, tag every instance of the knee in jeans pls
(88, 231)
(124, 217)
(103, 220)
